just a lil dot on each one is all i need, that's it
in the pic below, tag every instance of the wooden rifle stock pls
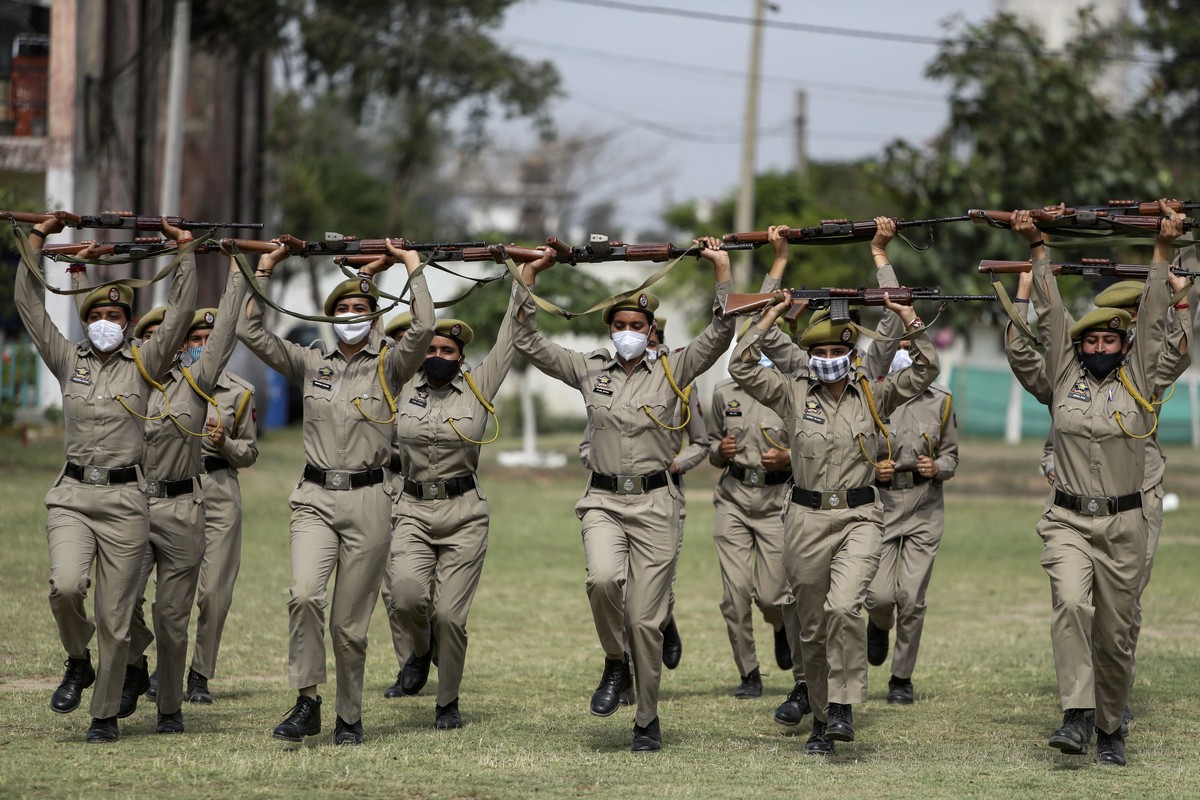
(1087, 267)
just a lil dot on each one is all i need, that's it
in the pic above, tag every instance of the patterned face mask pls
(830, 370)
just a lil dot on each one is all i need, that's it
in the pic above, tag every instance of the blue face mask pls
(192, 354)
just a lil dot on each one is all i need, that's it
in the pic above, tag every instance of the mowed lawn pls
(986, 696)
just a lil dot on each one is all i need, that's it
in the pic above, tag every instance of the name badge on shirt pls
(419, 398)
(733, 408)
(1080, 391)
(813, 412)
(324, 378)
(82, 375)
(603, 385)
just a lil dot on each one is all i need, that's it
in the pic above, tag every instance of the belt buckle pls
(755, 477)
(1097, 506)
(154, 489)
(631, 484)
(832, 500)
(432, 490)
(97, 476)
(337, 480)
(903, 480)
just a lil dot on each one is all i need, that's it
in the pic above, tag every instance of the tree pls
(1172, 33)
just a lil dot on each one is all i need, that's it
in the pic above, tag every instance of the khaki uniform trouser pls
(111, 525)
(750, 554)
(437, 553)
(897, 594)
(174, 552)
(1153, 511)
(830, 558)
(1095, 565)
(630, 543)
(219, 566)
(349, 530)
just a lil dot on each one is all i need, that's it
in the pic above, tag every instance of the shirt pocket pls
(659, 410)
(374, 406)
(133, 394)
(318, 403)
(599, 408)
(810, 441)
(1073, 417)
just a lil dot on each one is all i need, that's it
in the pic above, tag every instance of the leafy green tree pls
(1172, 33)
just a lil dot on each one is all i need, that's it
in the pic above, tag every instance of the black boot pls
(783, 650)
(152, 691)
(78, 676)
(397, 688)
(647, 739)
(751, 685)
(416, 672)
(900, 691)
(839, 725)
(672, 644)
(819, 743)
(1110, 749)
(303, 720)
(103, 730)
(1076, 732)
(170, 723)
(614, 682)
(792, 710)
(1126, 722)
(877, 644)
(197, 688)
(347, 733)
(447, 718)
(137, 682)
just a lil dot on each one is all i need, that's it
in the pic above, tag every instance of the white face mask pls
(830, 370)
(902, 360)
(351, 332)
(763, 361)
(105, 336)
(630, 344)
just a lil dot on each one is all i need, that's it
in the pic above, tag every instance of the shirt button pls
(97, 449)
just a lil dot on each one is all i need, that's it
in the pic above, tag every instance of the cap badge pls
(846, 334)
(643, 301)
(455, 329)
(364, 286)
(209, 318)
(114, 294)
(1114, 323)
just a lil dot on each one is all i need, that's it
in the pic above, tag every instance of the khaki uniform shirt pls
(1094, 456)
(173, 442)
(626, 441)
(917, 429)
(234, 394)
(340, 434)
(757, 429)
(831, 439)
(428, 445)
(99, 431)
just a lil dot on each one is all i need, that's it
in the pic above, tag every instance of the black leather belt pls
(676, 478)
(629, 484)
(904, 479)
(847, 498)
(169, 488)
(1097, 506)
(342, 480)
(436, 490)
(100, 476)
(214, 464)
(759, 477)
(395, 466)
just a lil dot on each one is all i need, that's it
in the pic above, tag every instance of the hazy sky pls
(674, 84)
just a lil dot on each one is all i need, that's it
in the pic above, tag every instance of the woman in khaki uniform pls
(341, 507)
(441, 520)
(98, 506)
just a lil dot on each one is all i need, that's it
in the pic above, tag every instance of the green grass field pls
(986, 696)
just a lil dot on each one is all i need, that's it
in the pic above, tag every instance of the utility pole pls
(172, 163)
(801, 132)
(745, 204)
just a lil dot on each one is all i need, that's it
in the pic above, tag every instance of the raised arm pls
(1151, 340)
(31, 304)
(767, 386)
(405, 358)
(1053, 322)
(900, 387)
(283, 356)
(878, 360)
(223, 338)
(703, 351)
(159, 353)
(554, 360)
(495, 366)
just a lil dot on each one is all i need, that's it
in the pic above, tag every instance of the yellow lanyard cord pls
(870, 398)
(491, 409)
(241, 409)
(685, 396)
(930, 445)
(1170, 394)
(387, 394)
(141, 368)
(767, 436)
(187, 374)
(1147, 405)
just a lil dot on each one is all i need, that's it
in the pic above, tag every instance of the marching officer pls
(177, 421)
(342, 505)
(98, 507)
(630, 510)
(441, 528)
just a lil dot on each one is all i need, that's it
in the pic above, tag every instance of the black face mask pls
(440, 370)
(1101, 364)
